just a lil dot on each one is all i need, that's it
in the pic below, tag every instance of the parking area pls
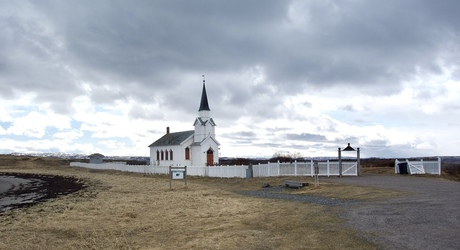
(427, 218)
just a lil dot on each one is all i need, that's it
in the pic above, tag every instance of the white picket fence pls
(419, 167)
(328, 168)
(221, 171)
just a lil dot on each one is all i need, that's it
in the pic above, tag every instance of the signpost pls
(177, 173)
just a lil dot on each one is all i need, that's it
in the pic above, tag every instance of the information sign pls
(177, 173)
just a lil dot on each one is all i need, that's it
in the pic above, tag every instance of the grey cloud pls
(353, 140)
(452, 107)
(32, 61)
(306, 137)
(365, 47)
(349, 108)
(247, 135)
(275, 146)
(307, 104)
(138, 112)
(427, 93)
(155, 46)
(328, 126)
(277, 129)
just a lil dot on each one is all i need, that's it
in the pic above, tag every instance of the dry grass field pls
(134, 211)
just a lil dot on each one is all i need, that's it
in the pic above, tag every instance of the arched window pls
(158, 155)
(171, 154)
(162, 155)
(166, 154)
(187, 153)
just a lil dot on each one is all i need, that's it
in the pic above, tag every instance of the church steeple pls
(204, 124)
(204, 106)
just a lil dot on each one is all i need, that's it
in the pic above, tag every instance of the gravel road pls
(273, 193)
(427, 218)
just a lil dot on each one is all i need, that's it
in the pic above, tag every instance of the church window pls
(187, 153)
(158, 155)
(171, 154)
(162, 155)
(166, 155)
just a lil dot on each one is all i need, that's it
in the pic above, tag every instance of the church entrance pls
(210, 157)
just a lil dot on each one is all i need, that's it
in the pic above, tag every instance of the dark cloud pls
(358, 44)
(33, 61)
(156, 51)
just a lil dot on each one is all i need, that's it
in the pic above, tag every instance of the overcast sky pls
(302, 77)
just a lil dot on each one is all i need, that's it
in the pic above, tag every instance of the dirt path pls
(427, 218)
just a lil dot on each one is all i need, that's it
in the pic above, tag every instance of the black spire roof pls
(204, 100)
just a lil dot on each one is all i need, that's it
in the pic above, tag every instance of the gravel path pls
(427, 218)
(272, 193)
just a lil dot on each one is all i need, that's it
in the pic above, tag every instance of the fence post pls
(358, 162)
(316, 174)
(250, 171)
(295, 167)
(439, 165)
(408, 167)
(340, 162)
(328, 169)
(279, 168)
(312, 167)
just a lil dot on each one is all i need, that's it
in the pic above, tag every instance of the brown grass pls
(135, 211)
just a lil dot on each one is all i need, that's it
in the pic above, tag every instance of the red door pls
(210, 157)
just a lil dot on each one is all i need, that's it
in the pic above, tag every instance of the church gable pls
(203, 122)
(205, 140)
(212, 122)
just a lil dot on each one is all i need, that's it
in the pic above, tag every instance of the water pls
(9, 184)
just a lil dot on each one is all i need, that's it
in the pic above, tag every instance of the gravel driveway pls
(427, 218)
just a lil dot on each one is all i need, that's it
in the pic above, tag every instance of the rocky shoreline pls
(31, 189)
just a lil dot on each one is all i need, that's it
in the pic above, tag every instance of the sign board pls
(177, 173)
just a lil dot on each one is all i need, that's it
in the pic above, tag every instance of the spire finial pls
(204, 79)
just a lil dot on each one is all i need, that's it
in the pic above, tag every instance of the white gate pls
(419, 167)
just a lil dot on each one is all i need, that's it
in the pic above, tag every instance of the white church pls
(197, 147)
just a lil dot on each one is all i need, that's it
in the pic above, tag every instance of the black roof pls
(204, 100)
(174, 138)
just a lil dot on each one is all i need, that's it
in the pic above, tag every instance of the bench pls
(294, 184)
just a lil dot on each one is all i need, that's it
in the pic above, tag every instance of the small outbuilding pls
(96, 158)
